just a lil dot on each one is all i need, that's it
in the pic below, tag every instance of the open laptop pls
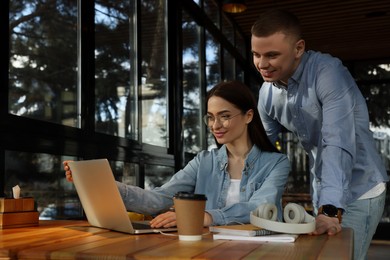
(101, 200)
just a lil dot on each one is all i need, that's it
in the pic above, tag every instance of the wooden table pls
(78, 240)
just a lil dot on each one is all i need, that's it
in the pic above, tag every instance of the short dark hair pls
(277, 20)
(241, 96)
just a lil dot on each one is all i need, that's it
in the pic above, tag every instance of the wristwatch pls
(331, 211)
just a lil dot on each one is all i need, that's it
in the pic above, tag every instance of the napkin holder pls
(19, 212)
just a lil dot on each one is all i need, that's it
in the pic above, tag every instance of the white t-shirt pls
(233, 195)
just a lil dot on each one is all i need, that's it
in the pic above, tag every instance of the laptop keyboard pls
(141, 226)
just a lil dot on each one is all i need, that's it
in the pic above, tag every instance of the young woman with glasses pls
(244, 171)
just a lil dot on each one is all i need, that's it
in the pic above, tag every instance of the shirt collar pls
(252, 156)
(296, 77)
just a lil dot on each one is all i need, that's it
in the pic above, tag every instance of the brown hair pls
(241, 96)
(276, 20)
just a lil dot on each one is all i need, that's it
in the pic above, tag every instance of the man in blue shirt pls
(314, 96)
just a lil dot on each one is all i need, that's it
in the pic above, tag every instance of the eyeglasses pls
(224, 120)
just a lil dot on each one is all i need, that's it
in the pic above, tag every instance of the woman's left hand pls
(167, 219)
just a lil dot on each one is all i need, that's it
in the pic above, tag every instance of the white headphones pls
(298, 221)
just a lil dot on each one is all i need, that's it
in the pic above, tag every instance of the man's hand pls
(325, 224)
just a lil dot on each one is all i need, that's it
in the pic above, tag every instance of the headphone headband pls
(295, 214)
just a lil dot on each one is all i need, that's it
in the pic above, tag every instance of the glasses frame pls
(220, 118)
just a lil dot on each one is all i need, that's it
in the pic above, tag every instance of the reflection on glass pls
(377, 98)
(299, 181)
(240, 44)
(191, 85)
(373, 81)
(42, 177)
(126, 172)
(239, 73)
(228, 66)
(157, 175)
(154, 73)
(43, 60)
(115, 63)
(213, 73)
(213, 69)
(211, 9)
(370, 70)
(227, 29)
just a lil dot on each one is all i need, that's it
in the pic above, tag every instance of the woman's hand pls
(168, 219)
(68, 172)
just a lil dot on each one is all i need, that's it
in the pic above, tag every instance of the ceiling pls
(348, 29)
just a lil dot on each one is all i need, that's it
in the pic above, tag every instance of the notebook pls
(101, 200)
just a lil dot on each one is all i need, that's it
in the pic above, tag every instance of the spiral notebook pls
(241, 230)
(249, 232)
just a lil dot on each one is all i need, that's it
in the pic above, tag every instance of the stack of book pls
(18, 213)
(250, 232)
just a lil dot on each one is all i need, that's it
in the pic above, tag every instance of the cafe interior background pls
(126, 80)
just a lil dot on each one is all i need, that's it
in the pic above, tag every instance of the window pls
(154, 88)
(157, 175)
(43, 62)
(192, 89)
(213, 69)
(115, 69)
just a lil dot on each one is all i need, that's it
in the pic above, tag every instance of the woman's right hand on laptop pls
(68, 172)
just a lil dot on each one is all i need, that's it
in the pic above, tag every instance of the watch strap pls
(331, 211)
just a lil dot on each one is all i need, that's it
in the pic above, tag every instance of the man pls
(314, 96)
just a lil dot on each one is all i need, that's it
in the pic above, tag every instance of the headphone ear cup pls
(295, 213)
(267, 211)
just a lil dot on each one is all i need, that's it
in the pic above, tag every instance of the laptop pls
(101, 200)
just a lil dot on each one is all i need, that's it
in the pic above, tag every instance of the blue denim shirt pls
(325, 109)
(263, 181)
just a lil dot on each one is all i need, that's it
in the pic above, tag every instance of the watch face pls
(329, 210)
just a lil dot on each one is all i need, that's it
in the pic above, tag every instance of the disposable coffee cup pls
(190, 209)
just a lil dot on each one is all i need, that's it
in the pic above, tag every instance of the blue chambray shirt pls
(324, 108)
(263, 181)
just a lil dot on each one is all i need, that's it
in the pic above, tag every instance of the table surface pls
(78, 240)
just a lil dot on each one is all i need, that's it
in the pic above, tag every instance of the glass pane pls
(368, 71)
(239, 73)
(115, 73)
(41, 176)
(227, 29)
(43, 60)
(213, 69)
(240, 44)
(212, 11)
(154, 73)
(377, 97)
(228, 66)
(191, 85)
(157, 175)
(125, 172)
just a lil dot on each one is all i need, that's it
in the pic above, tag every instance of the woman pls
(244, 172)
